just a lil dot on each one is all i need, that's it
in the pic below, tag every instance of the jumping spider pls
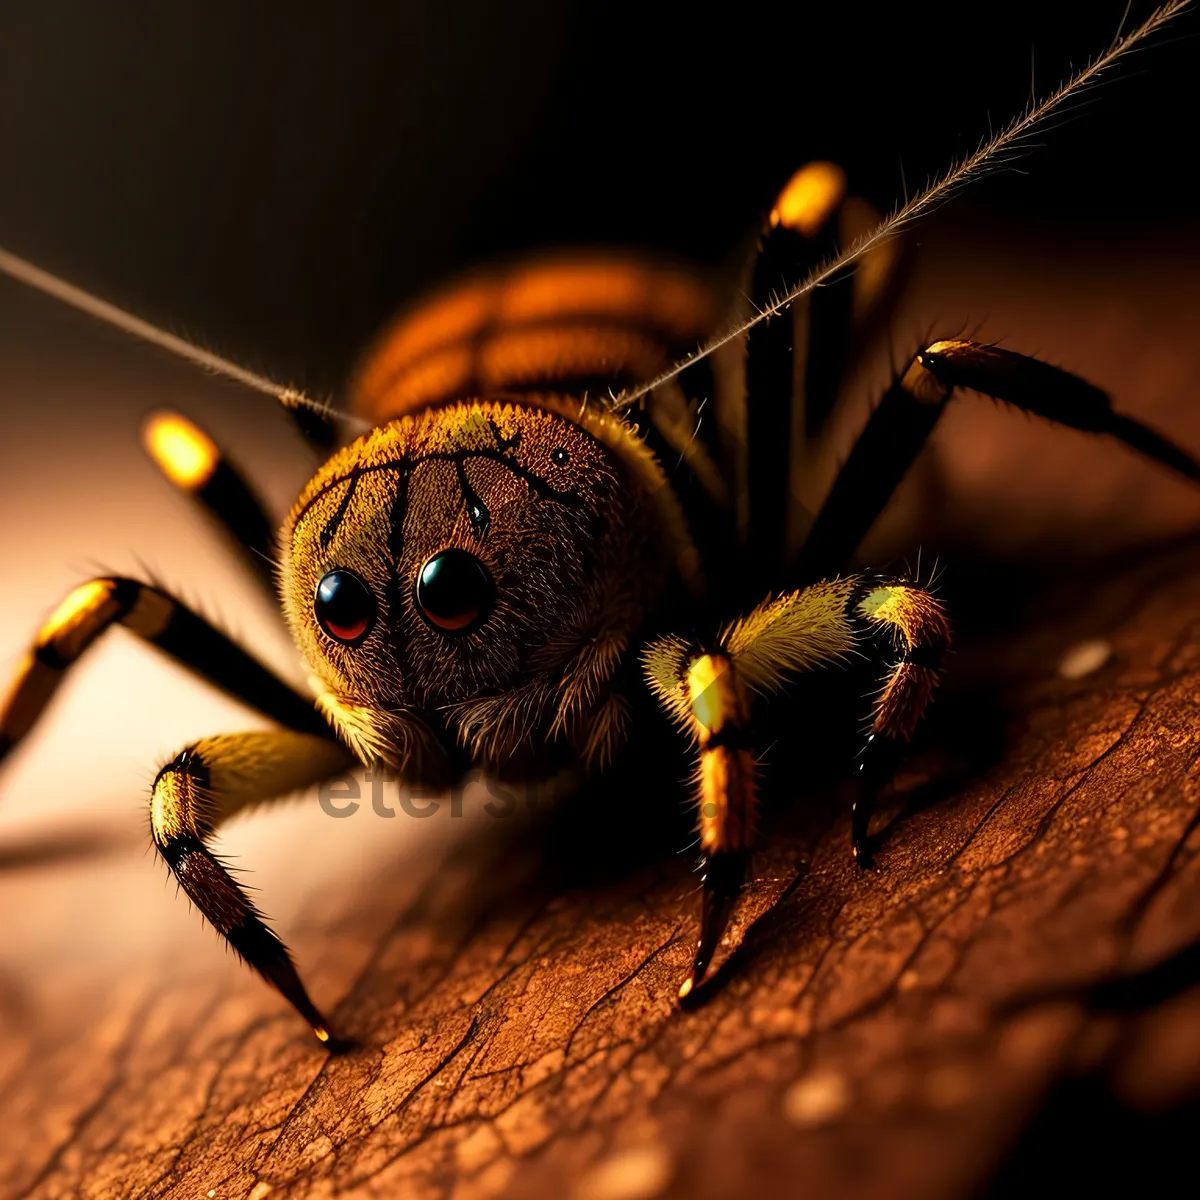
(470, 580)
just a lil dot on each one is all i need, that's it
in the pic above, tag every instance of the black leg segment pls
(189, 458)
(162, 621)
(910, 410)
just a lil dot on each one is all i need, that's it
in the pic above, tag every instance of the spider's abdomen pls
(567, 326)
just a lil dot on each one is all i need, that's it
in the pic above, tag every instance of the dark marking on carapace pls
(334, 522)
(476, 509)
(569, 499)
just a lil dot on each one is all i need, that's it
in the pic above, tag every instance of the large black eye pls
(344, 606)
(454, 591)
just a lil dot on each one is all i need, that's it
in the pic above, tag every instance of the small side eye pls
(344, 607)
(560, 456)
(455, 591)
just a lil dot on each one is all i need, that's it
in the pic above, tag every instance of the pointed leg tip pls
(722, 885)
(691, 990)
(332, 1043)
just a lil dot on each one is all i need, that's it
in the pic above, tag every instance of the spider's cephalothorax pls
(486, 573)
(504, 540)
(497, 563)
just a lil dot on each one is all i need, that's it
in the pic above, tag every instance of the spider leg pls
(162, 621)
(190, 460)
(795, 362)
(917, 626)
(791, 375)
(909, 411)
(705, 692)
(319, 428)
(709, 693)
(194, 793)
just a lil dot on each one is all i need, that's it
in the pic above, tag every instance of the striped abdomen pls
(567, 326)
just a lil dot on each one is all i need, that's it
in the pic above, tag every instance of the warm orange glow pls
(810, 197)
(526, 355)
(430, 380)
(612, 289)
(717, 812)
(185, 454)
(445, 322)
(624, 297)
(83, 600)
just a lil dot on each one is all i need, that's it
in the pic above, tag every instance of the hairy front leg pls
(161, 621)
(204, 785)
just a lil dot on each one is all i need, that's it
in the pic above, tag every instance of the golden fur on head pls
(568, 537)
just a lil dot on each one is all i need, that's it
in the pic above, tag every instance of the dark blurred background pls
(276, 181)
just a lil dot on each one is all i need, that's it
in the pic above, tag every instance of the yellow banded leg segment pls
(727, 783)
(74, 625)
(918, 625)
(918, 628)
(708, 696)
(156, 618)
(190, 460)
(199, 789)
(780, 355)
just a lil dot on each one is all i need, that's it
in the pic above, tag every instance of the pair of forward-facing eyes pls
(454, 593)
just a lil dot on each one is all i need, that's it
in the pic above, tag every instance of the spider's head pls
(466, 578)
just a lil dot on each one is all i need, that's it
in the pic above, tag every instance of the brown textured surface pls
(519, 1033)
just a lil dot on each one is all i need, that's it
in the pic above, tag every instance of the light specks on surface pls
(637, 1173)
(818, 1099)
(1085, 658)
